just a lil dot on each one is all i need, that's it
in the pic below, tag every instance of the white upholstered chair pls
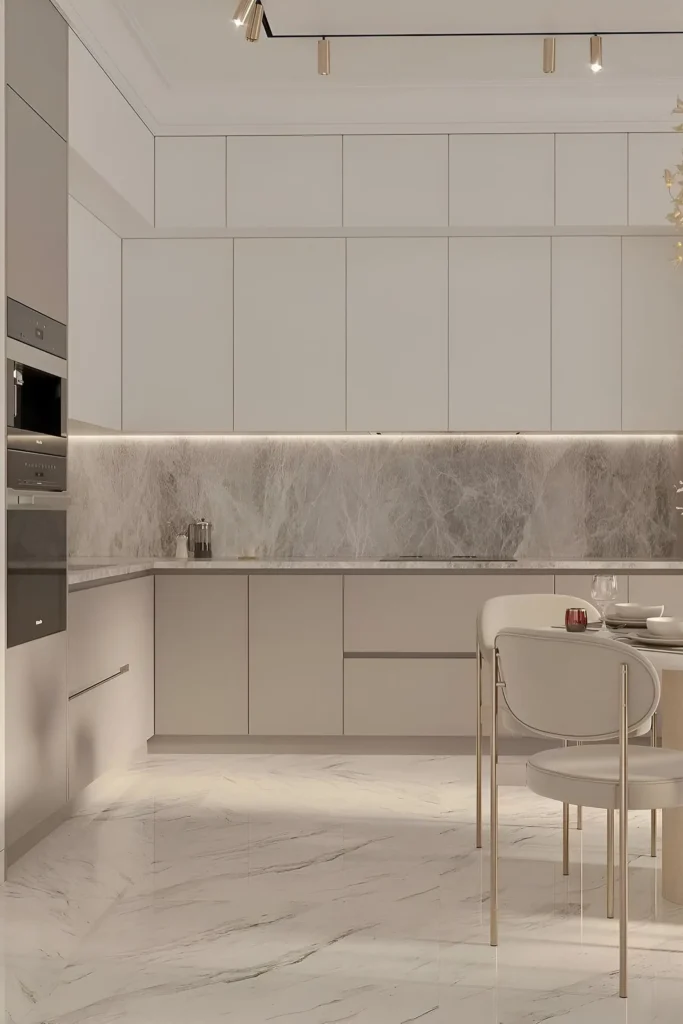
(586, 688)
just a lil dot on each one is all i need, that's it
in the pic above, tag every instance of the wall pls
(368, 496)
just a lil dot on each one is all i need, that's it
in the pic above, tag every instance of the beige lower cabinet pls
(202, 658)
(659, 589)
(409, 696)
(580, 586)
(295, 655)
(35, 734)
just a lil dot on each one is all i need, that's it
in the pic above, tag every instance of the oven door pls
(36, 570)
(36, 400)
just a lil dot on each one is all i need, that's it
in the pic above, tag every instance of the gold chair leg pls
(565, 839)
(653, 813)
(579, 819)
(478, 747)
(493, 825)
(610, 864)
(623, 836)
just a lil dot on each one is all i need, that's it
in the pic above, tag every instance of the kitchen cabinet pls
(177, 335)
(290, 334)
(500, 334)
(658, 589)
(35, 735)
(94, 320)
(586, 334)
(189, 182)
(36, 59)
(36, 181)
(409, 696)
(280, 181)
(295, 655)
(652, 354)
(201, 672)
(591, 179)
(579, 585)
(649, 153)
(395, 180)
(107, 133)
(397, 334)
(502, 180)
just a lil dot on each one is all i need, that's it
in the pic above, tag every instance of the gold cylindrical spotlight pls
(596, 54)
(548, 56)
(323, 56)
(242, 12)
(254, 23)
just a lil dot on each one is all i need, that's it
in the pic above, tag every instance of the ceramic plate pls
(658, 641)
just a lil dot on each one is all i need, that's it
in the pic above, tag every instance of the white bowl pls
(664, 625)
(634, 612)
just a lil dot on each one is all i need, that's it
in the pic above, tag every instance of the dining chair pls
(529, 610)
(589, 689)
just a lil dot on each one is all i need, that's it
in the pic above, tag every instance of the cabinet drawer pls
(424, 614)
(409, 696)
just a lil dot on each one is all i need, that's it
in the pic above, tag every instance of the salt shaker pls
(181, 546)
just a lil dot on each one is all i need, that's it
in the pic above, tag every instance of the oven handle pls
(57, 501)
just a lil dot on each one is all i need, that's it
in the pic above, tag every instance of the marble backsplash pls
(374, 496)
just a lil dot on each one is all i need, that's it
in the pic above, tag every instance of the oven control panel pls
(32, 471)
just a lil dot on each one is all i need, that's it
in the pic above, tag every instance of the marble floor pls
(321, 889)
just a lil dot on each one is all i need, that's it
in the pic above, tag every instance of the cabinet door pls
(290, 334)
(649, 154)
(201, 655)
(586, 328)
(652, 352)
(397, 334)
(502, 180)
(590, 179)
(500, 334)
(395, 180)
(94, 320)
(284, 181)
(37, 58)
(189, 182)
(36, 162)
(409, 696)
(177, 335)
(658, 589)
(35, 734)
(295, 655)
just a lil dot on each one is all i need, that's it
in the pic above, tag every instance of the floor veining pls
(325, 889)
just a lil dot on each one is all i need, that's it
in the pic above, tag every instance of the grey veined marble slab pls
(372, 497)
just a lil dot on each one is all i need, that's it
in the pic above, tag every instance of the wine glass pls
(603, 592)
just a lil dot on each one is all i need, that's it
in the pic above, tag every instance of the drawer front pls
(424, 614)
(409, 696)
(666, 590)
(580, 586)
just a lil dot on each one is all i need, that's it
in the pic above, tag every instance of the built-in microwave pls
(36, 400)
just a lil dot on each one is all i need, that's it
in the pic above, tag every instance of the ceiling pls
(186, 69)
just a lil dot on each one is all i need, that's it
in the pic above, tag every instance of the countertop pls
(84, 571)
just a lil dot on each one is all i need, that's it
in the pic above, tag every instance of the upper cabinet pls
(590, 179)
(190, 183)
(36, 59)
(284, 181)
(106, 132)
(37, 195)
(649, 154)
(502, 180)
(395, 180)
(177, 335)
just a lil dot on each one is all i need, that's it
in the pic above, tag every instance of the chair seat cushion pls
(589, 776)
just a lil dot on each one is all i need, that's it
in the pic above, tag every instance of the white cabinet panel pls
(409, 697)
(202, 657)
(649, 154)
(591, 177)
(651, 336)
(94, 320)
(295, 655)
(190, 182)
(397, 334)
(502, 180)
(177, 334)
(395, 180)
(284, 181)
(290, 334)
(659, 589)
(105, 130)
(500, 334)
(586, 328)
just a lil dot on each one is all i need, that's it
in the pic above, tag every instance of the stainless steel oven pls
(36, 566)
(36, 400)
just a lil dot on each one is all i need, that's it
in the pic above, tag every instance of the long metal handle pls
(478, 751)
(623, 835)
(493, 825)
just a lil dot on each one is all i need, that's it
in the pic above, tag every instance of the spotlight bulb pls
(596, 54)
(323, 56)
(548, 56)
(242, 12)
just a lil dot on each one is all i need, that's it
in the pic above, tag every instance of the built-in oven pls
(36, 566)
(36, 400)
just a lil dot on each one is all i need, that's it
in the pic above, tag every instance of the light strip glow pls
(283, 438)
